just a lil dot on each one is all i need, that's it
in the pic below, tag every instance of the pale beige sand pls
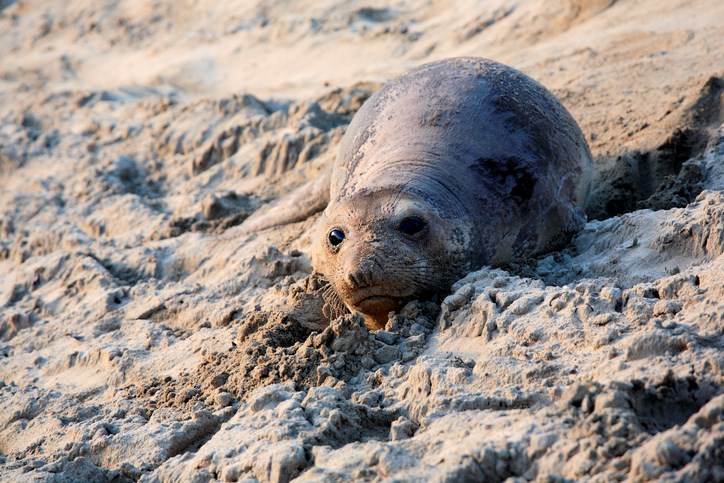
(143, 336)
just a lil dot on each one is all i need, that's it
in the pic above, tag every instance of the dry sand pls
(144, 336)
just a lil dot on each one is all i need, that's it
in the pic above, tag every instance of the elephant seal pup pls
(454, 165)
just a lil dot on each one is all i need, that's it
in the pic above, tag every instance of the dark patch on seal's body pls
(507, 174)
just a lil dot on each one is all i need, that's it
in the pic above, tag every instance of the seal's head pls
(383, 248)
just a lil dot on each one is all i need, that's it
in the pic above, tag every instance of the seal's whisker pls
(400, 192)
(334, 306)
(349, 211)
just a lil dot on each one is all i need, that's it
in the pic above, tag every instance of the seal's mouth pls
(372, 296)
(376, 309)
(376, 303)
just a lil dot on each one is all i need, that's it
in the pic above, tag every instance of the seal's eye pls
(336, 237)
(412, 226)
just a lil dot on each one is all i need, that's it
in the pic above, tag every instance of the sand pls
(144, 335)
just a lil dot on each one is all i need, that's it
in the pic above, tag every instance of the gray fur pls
(474, 136)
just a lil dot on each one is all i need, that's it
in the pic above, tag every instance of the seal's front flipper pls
(297, 205)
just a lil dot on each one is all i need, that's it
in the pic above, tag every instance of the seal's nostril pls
(353, 280)
(360, 277)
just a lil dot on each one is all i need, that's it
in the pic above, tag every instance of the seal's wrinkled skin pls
(454, 165)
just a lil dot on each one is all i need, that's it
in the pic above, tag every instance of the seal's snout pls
(354, 280)
(367, 290)
(361, 275)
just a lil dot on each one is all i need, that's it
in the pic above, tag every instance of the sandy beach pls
(145, 335)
